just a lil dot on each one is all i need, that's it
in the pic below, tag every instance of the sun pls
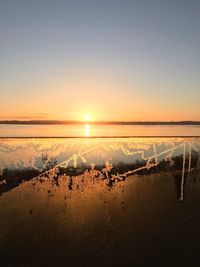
(87, 117)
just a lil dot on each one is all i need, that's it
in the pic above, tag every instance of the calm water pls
(95, 130)
(99, 201)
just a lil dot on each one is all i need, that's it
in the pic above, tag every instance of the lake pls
(87, 130)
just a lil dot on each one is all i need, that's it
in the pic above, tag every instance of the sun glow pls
(87, 117)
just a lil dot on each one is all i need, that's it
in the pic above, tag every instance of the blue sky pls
(117, 60)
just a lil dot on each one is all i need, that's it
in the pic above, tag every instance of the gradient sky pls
(115, 59)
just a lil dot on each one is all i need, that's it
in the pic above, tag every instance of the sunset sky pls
(112, 59)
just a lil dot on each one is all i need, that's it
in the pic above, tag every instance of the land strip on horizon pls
(63, 122)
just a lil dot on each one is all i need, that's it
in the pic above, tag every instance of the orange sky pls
(116, 60)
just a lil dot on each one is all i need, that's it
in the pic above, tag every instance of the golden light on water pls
(87, 118)
(87, 130)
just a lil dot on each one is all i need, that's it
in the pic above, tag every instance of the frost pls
(3, 182)
(1, 172)
(76, 163)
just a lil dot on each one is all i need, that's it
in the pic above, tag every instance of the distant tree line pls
(57, 122)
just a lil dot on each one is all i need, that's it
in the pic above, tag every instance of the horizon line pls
(65, 122)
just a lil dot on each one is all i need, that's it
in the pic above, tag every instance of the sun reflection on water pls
(87, 130)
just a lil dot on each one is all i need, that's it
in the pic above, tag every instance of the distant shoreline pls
(65, 122)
